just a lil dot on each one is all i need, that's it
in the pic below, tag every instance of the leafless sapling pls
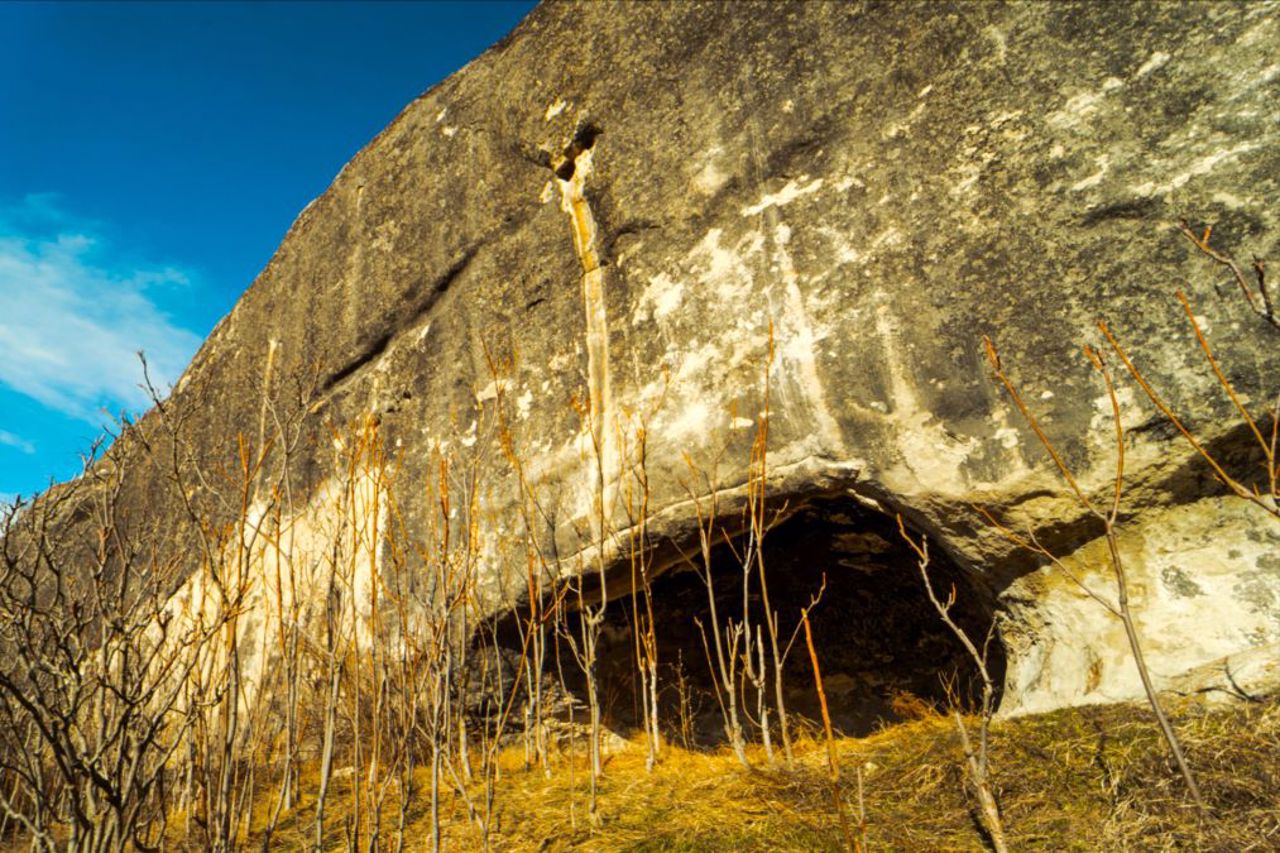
(1107, 515)
(977, 758)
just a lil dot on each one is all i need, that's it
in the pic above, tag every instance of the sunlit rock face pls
(619, 221)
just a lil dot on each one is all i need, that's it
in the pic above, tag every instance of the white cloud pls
(73, 315)
(8, 439)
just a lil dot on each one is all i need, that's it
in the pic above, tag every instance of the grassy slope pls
(1092, 778)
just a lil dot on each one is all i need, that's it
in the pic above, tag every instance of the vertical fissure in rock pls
(571, 175)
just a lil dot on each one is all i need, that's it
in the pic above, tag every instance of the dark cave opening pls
(884, 652)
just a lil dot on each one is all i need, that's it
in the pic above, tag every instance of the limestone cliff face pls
(598, 225)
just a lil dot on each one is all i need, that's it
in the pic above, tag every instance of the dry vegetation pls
(390, 709)
(1094, 778)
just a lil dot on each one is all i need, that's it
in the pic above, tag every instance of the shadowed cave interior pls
(882, 648)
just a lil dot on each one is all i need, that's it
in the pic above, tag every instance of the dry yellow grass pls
(1094, 778)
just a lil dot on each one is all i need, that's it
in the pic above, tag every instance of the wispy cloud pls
(8, 439)
(74, 313)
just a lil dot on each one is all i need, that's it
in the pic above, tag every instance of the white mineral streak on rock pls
(888, 239)
(1206, 164)
(1155, 61)
(801, 386)
(661, 297)
(724, 269)
(972, 164)
(1266, 75)
(1008, 437)
(603, 452)
(1103, 163)
(555, 109)
(710, 177)
(1077, 110)
(335, 539)
(789, 193)
(931, 459)
(491, 391)
(841, 249)
(1102, 421)
(692, 420)
(523, 404)
(721, 279)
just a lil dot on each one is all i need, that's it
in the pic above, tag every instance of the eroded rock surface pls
(598, 226)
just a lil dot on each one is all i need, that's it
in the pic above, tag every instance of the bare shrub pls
(833, 758)
(977, 759)
(94, 706)
(1108, 515)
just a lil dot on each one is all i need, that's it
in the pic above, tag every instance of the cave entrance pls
(884, 652)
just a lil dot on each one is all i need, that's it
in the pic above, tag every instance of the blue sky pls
(152, 155)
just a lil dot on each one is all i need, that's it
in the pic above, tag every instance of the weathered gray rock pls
(609, 211)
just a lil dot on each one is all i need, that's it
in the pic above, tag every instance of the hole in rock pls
(565, 170)
(885, 654)
(584, 137)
